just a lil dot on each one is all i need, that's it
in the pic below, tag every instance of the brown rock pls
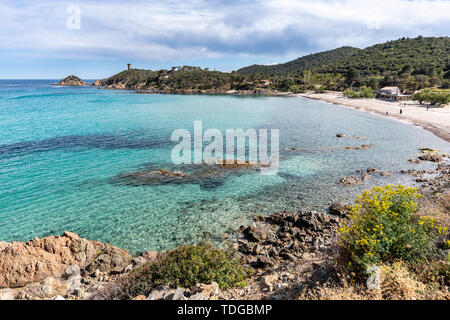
(150, 255)
(207, 290)
(72, 81)
(255, 233)
(433, 157)
(350, 180)
(140, 297)
(268, 281)
(263, 262)
(32, 261)
(337, 208)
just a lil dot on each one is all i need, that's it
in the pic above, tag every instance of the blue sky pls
(41, 39)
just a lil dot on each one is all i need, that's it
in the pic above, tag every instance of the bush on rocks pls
(383, 227)
(186, 266)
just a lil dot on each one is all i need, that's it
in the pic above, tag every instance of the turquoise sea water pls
(61, 149)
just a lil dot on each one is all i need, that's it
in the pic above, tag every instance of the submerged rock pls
(350, 180)
(362, 147)
(385, 174)
(208, 176)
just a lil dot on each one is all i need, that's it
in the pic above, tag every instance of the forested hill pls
(316, 62)
(411, 64)
(186, 79)
(418, 56)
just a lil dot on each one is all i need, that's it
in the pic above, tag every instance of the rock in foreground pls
(22, 263)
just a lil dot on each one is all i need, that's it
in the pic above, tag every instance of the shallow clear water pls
(62, 147)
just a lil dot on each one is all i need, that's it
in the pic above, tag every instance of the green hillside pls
(185, 79)
(409, 63)
(317, 62)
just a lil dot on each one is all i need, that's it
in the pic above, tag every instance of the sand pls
(435, 119)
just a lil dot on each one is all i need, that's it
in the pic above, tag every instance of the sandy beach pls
(435, 119)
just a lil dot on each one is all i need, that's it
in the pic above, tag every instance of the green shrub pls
(364, 92)
(186, 266)
(382, 227)
(295, 88)
(320, 89)
(434, 97)
(349, 93)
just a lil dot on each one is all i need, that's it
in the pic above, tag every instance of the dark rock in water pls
(433, 157)
(156, 177)
(350, 180)
(416, 161)
(288, 176)
(385, 174)
(341, 135)
(370, 169)
(72, 81)
(364, 146)
(338, 208)
(208, 184)
(365, 176)
(206, 176)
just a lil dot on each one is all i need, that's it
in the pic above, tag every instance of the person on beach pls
(401, 111)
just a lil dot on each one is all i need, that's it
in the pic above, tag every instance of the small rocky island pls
(72, 81)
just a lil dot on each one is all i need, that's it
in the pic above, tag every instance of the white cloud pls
(200, 29)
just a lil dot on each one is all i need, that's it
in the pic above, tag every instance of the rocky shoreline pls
(287, 251)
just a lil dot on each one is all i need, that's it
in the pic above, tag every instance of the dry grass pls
(437, 206)
(397, 283)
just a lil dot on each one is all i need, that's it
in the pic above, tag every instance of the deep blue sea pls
(62, 148)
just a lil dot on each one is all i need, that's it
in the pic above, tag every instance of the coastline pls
(285, 264)
(435, 120)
